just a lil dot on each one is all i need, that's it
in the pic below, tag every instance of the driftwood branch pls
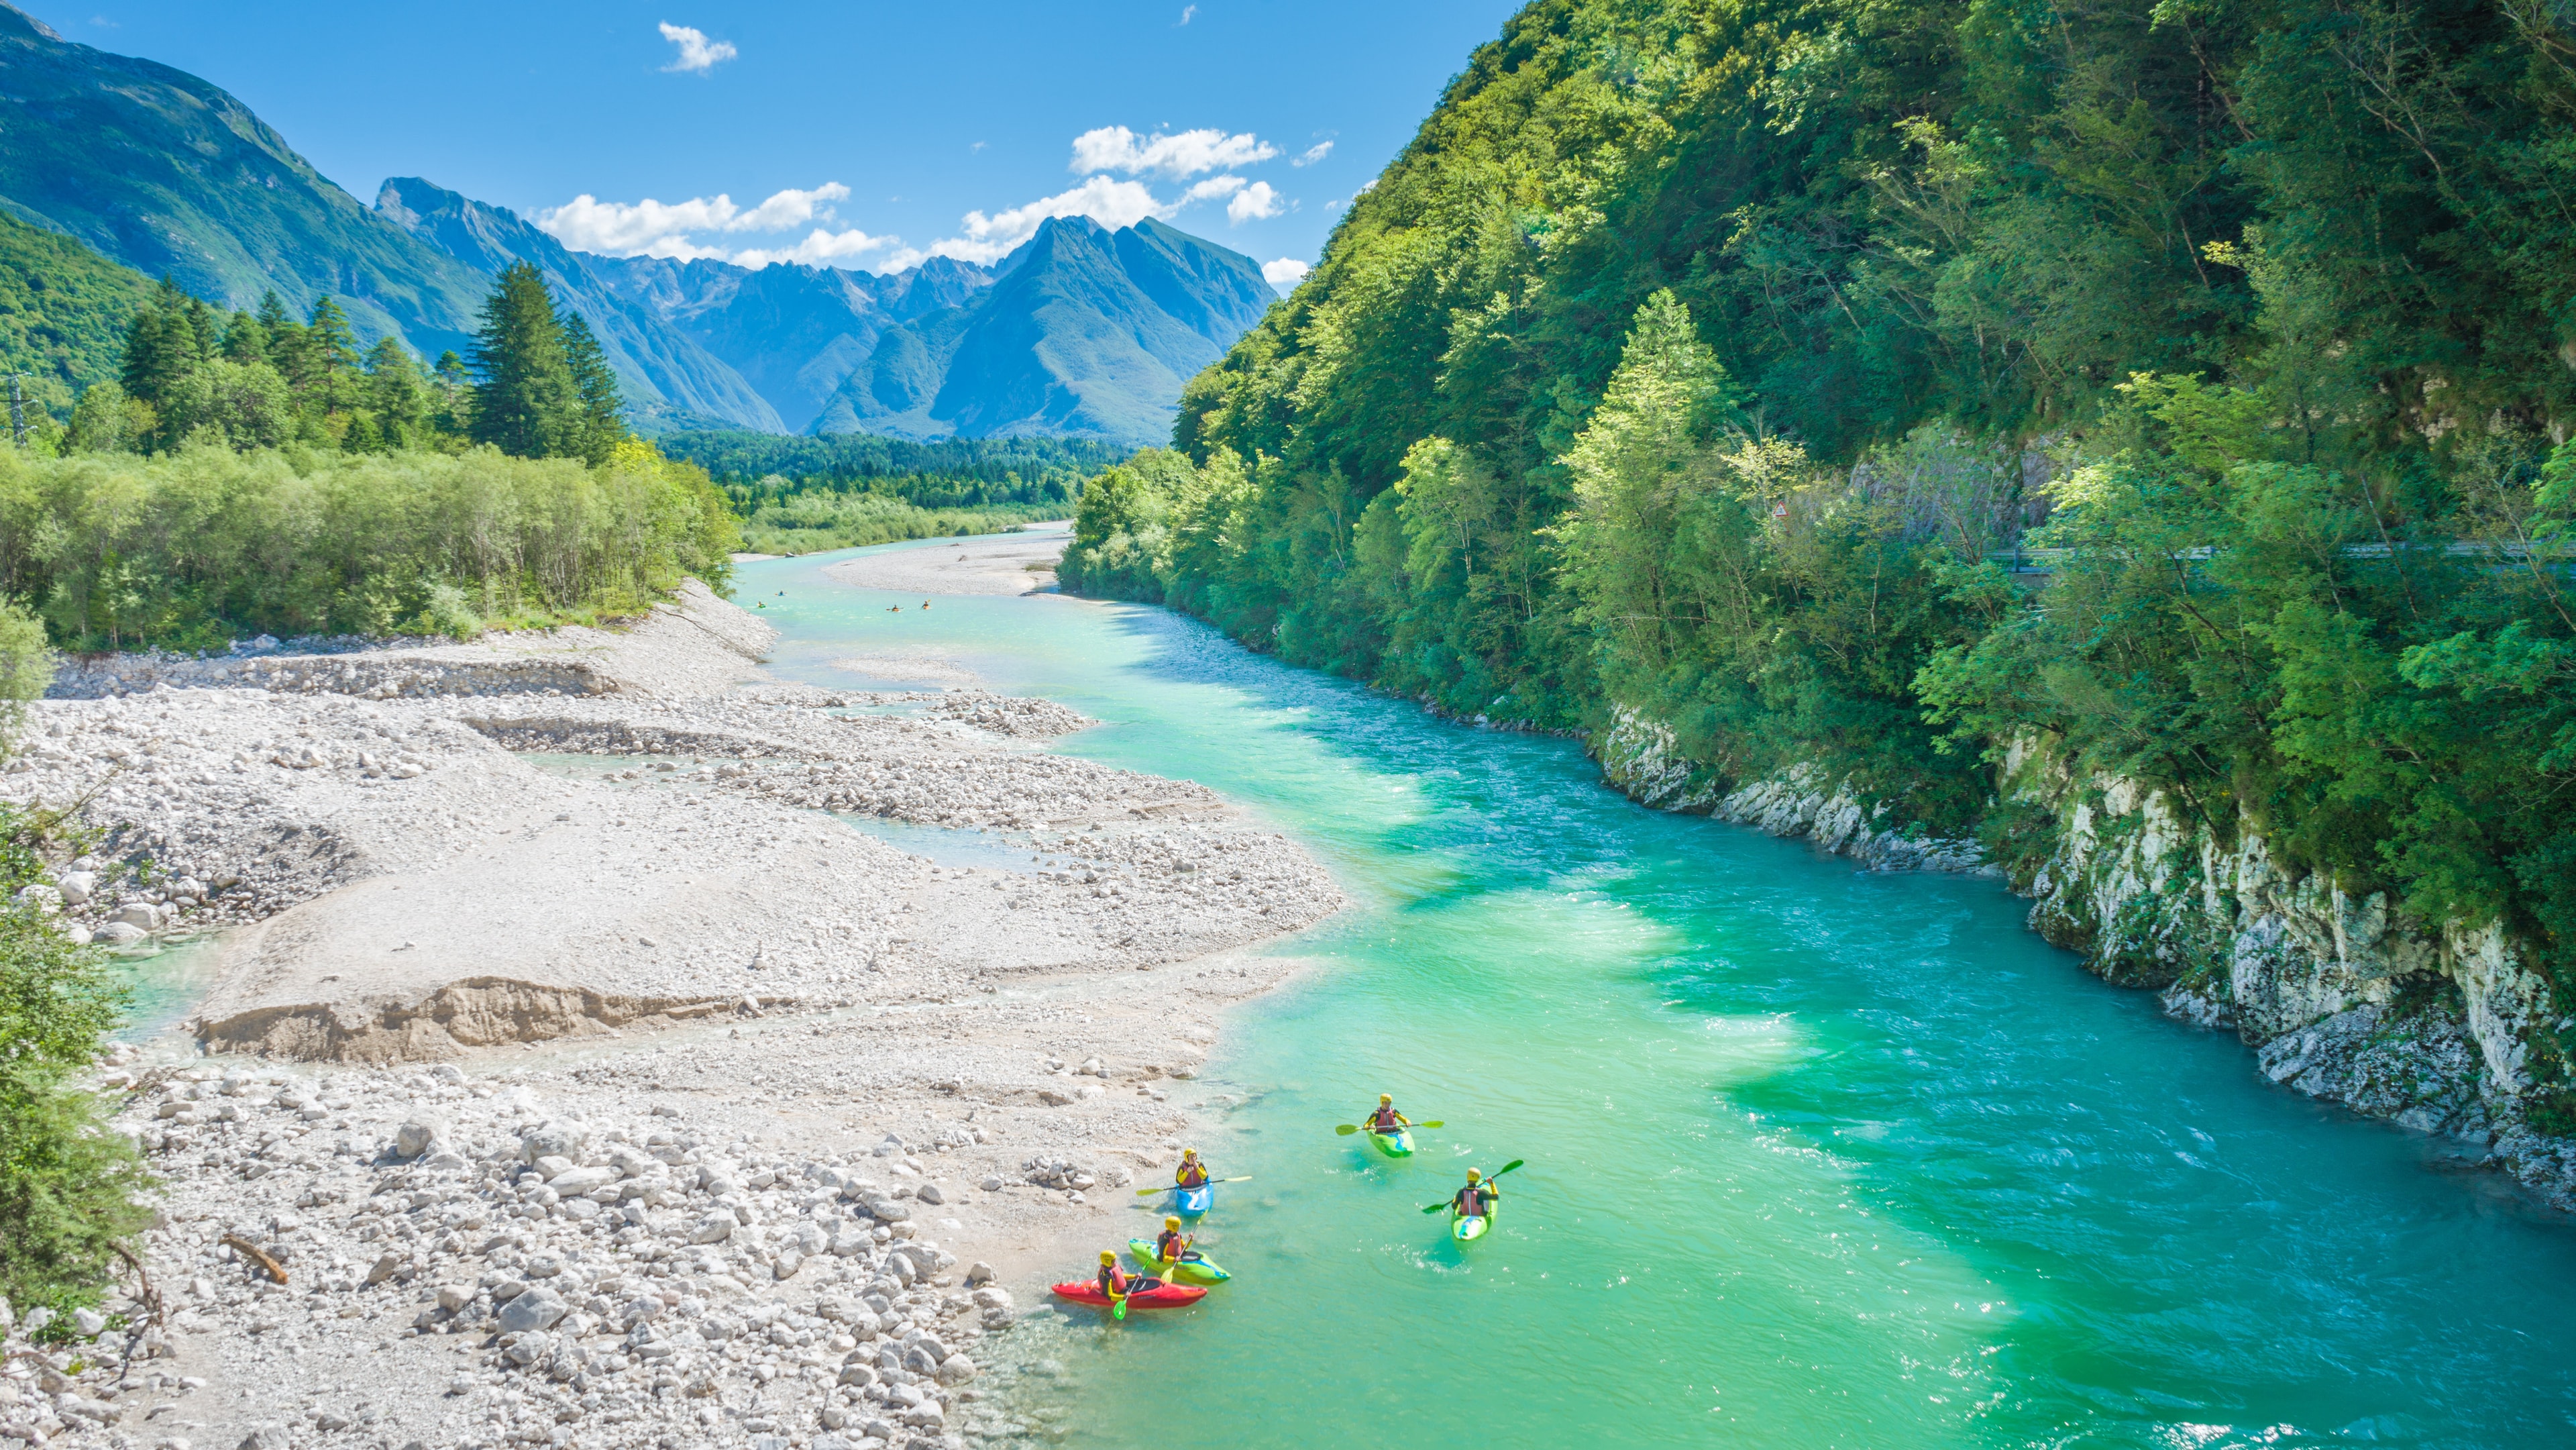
(257, 1255)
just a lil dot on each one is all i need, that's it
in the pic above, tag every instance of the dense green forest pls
(804, 495)
(763, 468)
(1695, 361)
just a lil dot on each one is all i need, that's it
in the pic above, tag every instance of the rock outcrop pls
(1640, 758)
(2433, 1026)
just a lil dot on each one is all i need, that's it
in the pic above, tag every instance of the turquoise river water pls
(1815, 1157)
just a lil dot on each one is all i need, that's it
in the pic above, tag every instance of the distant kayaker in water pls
(1386, 1119)
(1173, 1246)
(1192, 1172)
(1478, 1198)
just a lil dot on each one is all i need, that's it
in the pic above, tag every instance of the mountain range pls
(1081, 332)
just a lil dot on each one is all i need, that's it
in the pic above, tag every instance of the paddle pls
(1176, 1188)
(1346, 1129)
(1490, 1177)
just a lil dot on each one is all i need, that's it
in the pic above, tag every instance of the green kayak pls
(1188, 1271)
(1398, 1144)
(1467, 1228)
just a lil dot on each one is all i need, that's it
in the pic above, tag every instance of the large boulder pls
(536, 1309)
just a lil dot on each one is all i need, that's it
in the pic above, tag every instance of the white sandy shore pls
(787, 1065)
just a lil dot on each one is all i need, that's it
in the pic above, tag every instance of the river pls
(1814, 1157)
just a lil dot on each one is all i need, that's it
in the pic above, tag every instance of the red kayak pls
(1161, 1296)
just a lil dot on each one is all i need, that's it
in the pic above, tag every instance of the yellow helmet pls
(1171, 1220)
(1189, 1153)
(1474, 1174)
(1108, 1256)
(1386, 1097)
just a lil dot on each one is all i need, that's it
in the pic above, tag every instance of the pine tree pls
(330, 359)
(285, 336)
(525, 399)
(395, 392)
(246, 340)
(205, 331)
(1640, 462)
(160, 347)
(602, 423)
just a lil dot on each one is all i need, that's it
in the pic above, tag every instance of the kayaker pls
(1478, 1198)
(1173, 1246)
(1192, 1172)
(1386, 1119)
(1116, 1282)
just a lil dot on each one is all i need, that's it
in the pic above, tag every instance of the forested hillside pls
(1696, 362)
(63, 313)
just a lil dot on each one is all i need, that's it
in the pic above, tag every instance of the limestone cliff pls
(2433, 1026)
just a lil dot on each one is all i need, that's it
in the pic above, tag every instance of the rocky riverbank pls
(577, 1073)
(2428, 1027)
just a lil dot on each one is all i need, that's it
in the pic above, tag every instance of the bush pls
(70, 1188)
(192, 549)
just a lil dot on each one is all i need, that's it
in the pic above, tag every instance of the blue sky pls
(858, 133)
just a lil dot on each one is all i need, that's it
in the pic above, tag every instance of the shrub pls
(70, 1188)
(191, 549)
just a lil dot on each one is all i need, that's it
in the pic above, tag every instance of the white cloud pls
(1284, 273)
(789, 208)
(647, 228)
(1253, 203)
(652, 228)
(819, 249)
(697, 53)
(687, 230)
(1187, 11)
(1313, 154)
(1111, 203)
(1115, 148)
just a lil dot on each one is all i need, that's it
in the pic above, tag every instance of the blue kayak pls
(1194, 1201)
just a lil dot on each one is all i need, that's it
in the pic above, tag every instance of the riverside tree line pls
(1705, 364)
(255, 473)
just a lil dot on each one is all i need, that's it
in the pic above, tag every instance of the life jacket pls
(1386, 1120)
(1185, 1178)
(1172, 1244)
(1112, 1282)
(1474, 1200)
